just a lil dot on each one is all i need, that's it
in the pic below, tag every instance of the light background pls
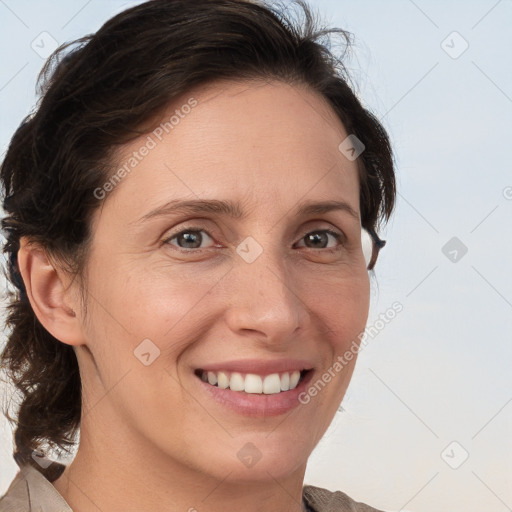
(439, 372)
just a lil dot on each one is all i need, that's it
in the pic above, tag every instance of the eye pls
(317, 239)
(192, 238)
(189, 238)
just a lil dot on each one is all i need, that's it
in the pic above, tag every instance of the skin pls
(150, 438)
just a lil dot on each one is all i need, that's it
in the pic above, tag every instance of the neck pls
(105, 475)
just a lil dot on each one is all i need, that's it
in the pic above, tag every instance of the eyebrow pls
(234, 210)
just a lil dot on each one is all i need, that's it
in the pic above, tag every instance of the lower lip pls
(257, 404)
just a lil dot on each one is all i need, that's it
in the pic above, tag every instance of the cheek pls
(156, 303)
(342, 308)
(138, 326)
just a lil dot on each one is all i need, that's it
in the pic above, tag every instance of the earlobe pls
(46, 291)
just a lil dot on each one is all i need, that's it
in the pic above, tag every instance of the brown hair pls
(97, 97)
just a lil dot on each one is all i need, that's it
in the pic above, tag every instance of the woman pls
(188, 218)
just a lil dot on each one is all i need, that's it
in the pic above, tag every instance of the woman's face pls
(259, 289)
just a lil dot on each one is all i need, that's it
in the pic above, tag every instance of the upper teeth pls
(252, 383)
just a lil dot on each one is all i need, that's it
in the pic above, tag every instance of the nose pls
(264, 300)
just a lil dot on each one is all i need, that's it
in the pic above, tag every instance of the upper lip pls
(259, 366)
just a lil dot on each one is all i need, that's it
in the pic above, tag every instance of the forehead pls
(248, 141)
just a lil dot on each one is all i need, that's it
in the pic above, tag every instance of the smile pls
(259, 388)
(253, 383)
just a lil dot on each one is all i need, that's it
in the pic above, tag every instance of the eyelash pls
(337, 236)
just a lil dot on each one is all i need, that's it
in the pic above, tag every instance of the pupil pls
(192, 237)
(315, 238)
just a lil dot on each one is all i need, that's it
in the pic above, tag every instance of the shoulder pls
(323, 500)
(16, 497)
(31, 491)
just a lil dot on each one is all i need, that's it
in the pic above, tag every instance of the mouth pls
(258, 388)
(252, 383)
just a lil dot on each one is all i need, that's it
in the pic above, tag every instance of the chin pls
(266, 456)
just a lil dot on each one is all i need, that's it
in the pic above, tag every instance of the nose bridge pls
(262, 291)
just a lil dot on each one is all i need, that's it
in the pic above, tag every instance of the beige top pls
(30, 491)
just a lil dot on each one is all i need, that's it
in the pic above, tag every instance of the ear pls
(46, 290)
